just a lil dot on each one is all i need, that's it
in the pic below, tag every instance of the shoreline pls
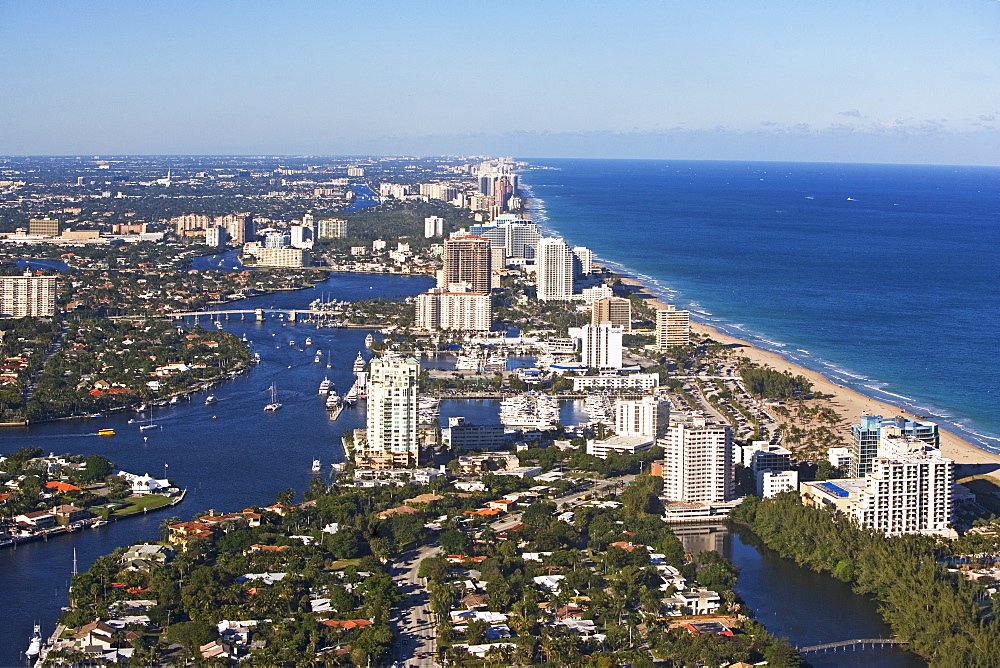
(850, 404)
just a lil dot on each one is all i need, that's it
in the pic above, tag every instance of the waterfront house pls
(95, 635)
(39, 519)
(67, 514)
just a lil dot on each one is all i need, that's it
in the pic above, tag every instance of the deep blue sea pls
(885, 278)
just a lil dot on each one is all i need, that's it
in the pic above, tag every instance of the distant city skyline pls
(852, 81)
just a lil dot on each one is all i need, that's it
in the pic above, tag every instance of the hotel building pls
(868, 434)
(601, 346)
(909, 490)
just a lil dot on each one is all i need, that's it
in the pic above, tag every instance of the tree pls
(191, 635)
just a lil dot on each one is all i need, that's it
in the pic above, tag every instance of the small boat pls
(291, 343)
(309, 341)
(316, 359)
(174, 400)
(315, 466)
(369, 340)
(98, 523)
(140, 408)
(35, 645)
(210, 399)
(274, 405)
(105, 432)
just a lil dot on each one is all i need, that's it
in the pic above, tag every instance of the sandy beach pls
(850, 404)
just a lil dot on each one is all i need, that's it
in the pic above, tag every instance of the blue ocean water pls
(885, 278)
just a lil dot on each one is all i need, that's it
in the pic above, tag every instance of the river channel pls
(232, 454)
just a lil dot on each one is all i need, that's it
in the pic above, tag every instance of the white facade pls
(27, 295)
(392, 410)
(601, 346)
(215, 236)
(839, 458)
(301, 236)
(908, 493)
(622, 445)
(648, 416)
(433, 227)
(697, 460)
(462, 311)
(635, 381)
(771, 483)
(591, 295)
(277, 257)
(331, 228)
(554, 270)
(583, 260)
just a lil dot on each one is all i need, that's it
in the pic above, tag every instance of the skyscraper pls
(697, 465)
(462, 311)
(392, 414)
(648, 416)
(331, 228)
(467, 260)
(583, 260)
(433, 226)
(673, 328)
(601, 346)
(554, 269)
(616, 310)
(27, 295)
(869, 432)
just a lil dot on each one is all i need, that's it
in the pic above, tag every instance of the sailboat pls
(329, 359)
(274, 405)
(149, 425)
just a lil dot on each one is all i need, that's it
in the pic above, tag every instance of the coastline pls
(849, 403)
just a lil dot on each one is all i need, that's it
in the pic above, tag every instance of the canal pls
(806, 607)
(232, 454)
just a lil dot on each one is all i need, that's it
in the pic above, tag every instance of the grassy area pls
(341, 564)
(142, 503)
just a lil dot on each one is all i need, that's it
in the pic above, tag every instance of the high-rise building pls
(673, 328)
(467, 260)
(649, 416)
(433, 227)
(46, 227)
(391, 424)
(215, 236)
(616, 310)
(554, 269)
(697, 465)
(868, 434)
(583, 261)
(355, 171)
(331, 228)
(301, 236)
(27, 295)
(601, 346)
(521, 239)
(277, 257)
(908, 490)
(190, 222)
(239, 227)
(452, 310)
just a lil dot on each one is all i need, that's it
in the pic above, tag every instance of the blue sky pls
(836, 80)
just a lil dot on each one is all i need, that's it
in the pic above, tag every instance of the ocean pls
(885, 278)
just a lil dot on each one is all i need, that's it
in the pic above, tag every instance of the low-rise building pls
(462, 435)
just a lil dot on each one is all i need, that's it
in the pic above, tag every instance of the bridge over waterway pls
(849, 645)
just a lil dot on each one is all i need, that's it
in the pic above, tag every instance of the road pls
(413, 623)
